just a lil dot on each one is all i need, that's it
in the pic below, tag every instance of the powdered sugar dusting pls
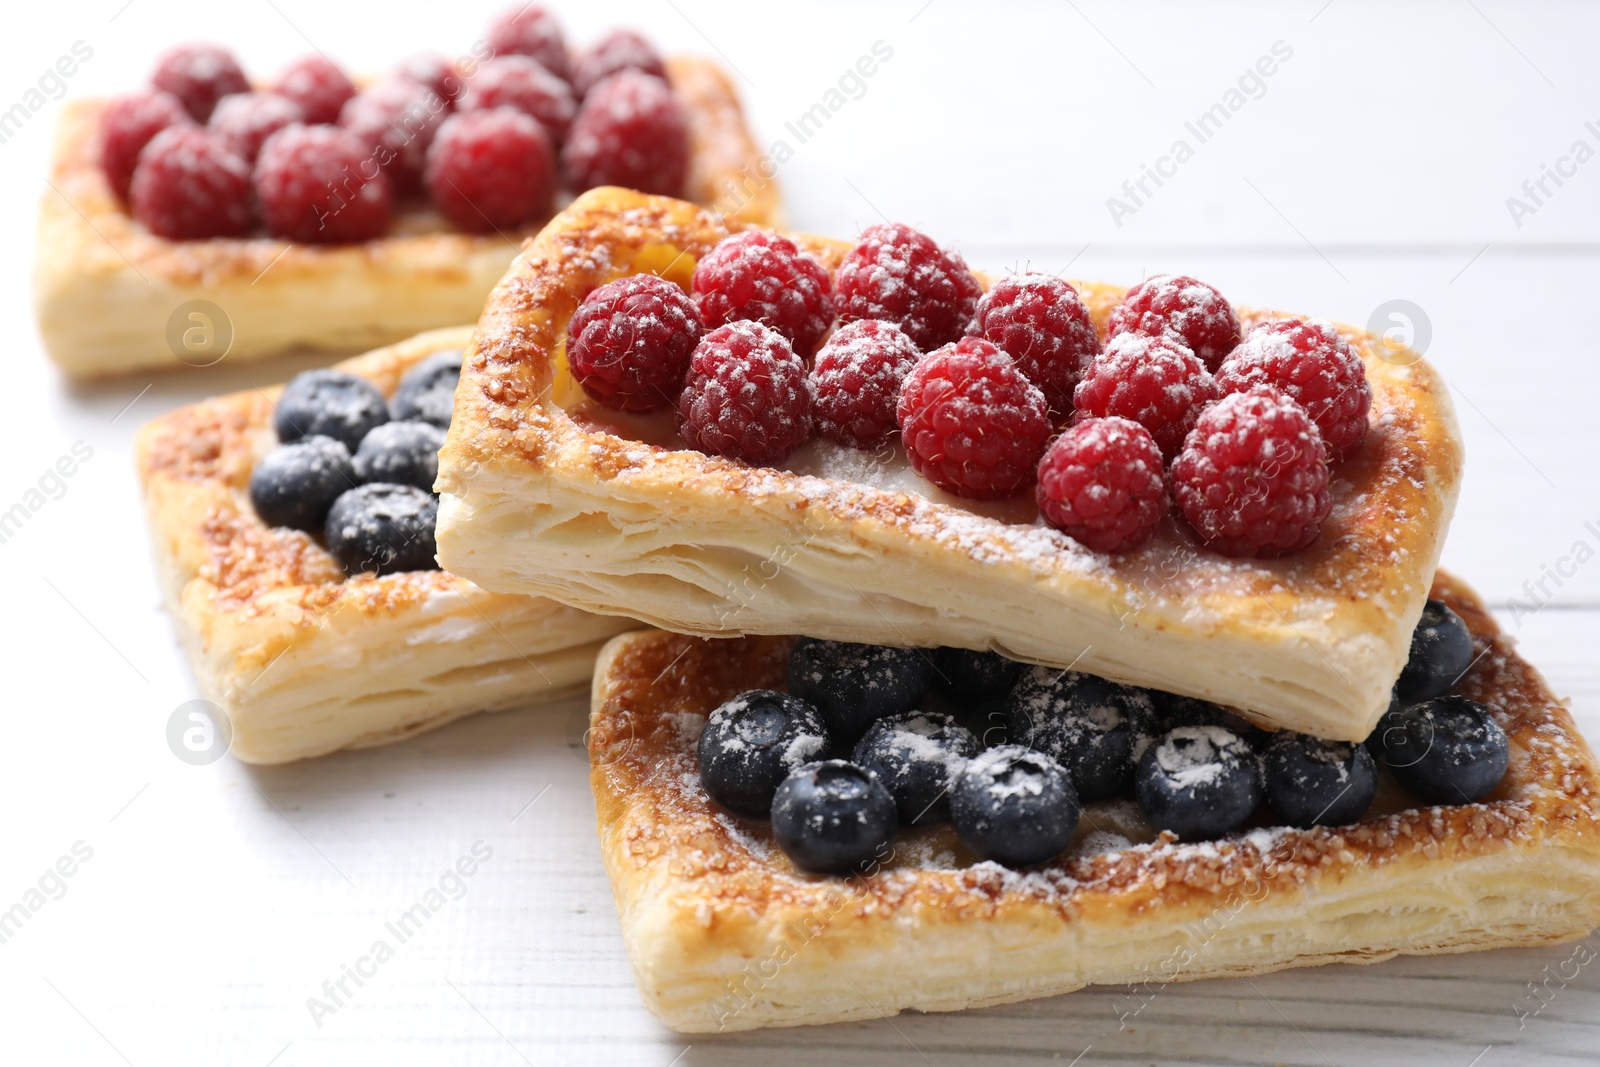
(1199, 761)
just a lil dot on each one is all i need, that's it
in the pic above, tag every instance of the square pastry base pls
(724, 933)
(112, 297)
(544, 492)
(303, 660)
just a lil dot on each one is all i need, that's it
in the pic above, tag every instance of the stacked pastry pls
(1080, 635)
(1013, 634)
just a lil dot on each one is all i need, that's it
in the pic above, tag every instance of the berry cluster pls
(358, 471)
(1247, 428)
(1175, 410)
(868, 739)
(488, 141)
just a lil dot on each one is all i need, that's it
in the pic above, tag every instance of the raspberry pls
(127, 126)
(318, 86)
(199, 74)
(1101, 483)
(1179, 306)
(491, 169)
(901, 276)
(747, 395)
(1040, 323)
(245, 120)
(320, 184)
(529, 30)
(434, 71)
(522, 83)
(971, 423)
(1313, 365)
(765, 278)
(620, 49)
(1155, 381)
(396, 120)
(857, 379)
(1253, 476)
(631, 131)
(629, 342)
(188, 186)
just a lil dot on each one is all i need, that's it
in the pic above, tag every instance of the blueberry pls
(987, 722)
(331, 403)
(917, 756)
(1312, 782)
(833, 817)
(1441, 652)
(856, 685)
(1014, 805)
(428, 390)
(383, 528)
(402, 453)
(974, 677)
(1173, 711)
(1090, 725)
(1448, 750)
(753, 742)
(1198, 781)
(294, 485)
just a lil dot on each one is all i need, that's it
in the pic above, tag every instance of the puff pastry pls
(724, 933)
(105, 287)
(545, 493)
(303, 661)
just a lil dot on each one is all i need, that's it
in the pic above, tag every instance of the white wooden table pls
(1374, 164)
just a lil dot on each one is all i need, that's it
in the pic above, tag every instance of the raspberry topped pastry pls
(648, 432)
(415, 186)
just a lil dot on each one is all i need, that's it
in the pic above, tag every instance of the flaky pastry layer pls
(303, 660)
(724, 933)
(105, 288)
(545, 493)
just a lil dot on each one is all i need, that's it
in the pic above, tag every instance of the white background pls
(1375, 166)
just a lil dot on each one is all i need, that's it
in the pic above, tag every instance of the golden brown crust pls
(707, 902)
(105, 286)
(542, 494)
(303, 660)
